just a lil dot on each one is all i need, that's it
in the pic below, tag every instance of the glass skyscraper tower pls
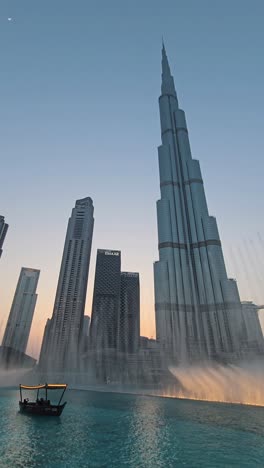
(106, 300)
(22, 310)
(115, 321)
(3, 231)
(63, 333)
(129, 316)
(198, 309)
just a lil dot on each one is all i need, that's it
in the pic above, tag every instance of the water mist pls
(242, 384)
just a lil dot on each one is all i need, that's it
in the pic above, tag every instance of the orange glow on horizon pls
(147, 326)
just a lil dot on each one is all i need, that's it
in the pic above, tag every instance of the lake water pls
(100, 429)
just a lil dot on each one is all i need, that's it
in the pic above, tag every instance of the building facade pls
(115, 321)
(106, 300)
(44, 352)
(253, 335)
(60, 346)
(85, 334)
(129, 315)
(3, 231)
(86, 325)
(21, 314)
(198, 309)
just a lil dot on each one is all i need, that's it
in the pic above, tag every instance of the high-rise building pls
(85, 334)
(253, 334)
(63, 332)
(114, 330)
(43, 357)
(198, 309)
(3, 231)
(22, 310)
(106, 300)
(86, 325)
(129, 319)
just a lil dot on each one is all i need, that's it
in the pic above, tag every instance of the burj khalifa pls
(198, 309)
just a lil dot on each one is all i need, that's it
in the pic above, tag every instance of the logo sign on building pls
(112, 252)
(129, 275)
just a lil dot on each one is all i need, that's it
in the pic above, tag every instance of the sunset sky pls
(80, 82)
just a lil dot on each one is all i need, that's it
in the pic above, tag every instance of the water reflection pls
(147, 430)
(119, 430)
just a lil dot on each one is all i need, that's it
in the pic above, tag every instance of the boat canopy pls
(46, 386)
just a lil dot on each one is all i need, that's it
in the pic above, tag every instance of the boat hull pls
(42, 410)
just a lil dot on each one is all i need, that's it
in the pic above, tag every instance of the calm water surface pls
(119, 430)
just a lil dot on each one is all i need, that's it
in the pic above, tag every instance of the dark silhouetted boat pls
(42, 406)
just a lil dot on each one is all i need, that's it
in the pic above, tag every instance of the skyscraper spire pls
(167, 85)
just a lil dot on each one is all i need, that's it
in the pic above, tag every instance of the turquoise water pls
(119, 430)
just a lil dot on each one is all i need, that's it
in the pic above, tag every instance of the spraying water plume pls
(13, 377)
(242, 384)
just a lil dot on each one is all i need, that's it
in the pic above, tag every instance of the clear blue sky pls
(79, 91)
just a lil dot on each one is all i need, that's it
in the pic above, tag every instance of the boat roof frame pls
(45, 386)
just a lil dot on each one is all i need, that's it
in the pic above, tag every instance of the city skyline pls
(208, 83)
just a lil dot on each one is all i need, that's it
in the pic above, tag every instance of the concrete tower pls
(3, 231)
(198, 309)
(22, 310)
(63, 332)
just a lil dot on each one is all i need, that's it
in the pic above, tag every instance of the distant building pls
(3, 231)
(129, 319)
(21, 314)
(86, 325)
(148, 343)
(85, 334)
(253, 334)
(63, 333)
(10, 358)
(43, 357)
(106, 300)
(151, 368)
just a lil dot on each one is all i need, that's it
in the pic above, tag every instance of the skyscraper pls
(253, 334)
(22, 310)
(86, 325)
(129, 319)
(63, 332)
(198, 309)
(106, 300)
(3, 231)
(44, 353)
(85, 334)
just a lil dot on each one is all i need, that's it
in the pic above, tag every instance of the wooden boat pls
(42, 406)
